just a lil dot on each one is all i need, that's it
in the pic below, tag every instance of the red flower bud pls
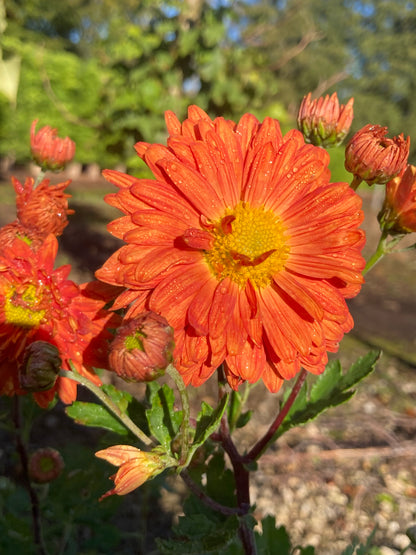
(48, 150)
(373, 157)
(323, 121)
(40, 367)
(45, 465)
(142, 348)
(398, 214)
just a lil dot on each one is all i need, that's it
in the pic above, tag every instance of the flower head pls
(44, 208)
(40, 366)
(38, 302)
(244, 246)
(142, 348)
(323, 121)
(373, 157)
(398, 214)
(48, 150)
(136, 467)
(45, 465)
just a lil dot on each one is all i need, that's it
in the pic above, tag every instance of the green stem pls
(383, 247)
(98, 392)
(183, 393)
(355, 182)
(39, 178)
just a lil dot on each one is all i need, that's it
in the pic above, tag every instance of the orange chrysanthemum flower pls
(40, 303)
(48, 150)
(398, 213)
(242, 244)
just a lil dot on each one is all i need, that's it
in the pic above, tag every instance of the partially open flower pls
(44, 208)
(142, 348)
(48, 150)
(40, 366)
(398, 214)
(45, 465)
(323, 121)
(374, 158)
(136, 467)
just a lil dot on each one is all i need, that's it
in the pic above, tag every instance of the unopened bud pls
(398, 214)
(374, 158)
(142, 348)
(135, 467)
(323, 121)
(50, 151)
(45, 465)
(40, 366)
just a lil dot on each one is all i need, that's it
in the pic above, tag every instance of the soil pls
(352, 469)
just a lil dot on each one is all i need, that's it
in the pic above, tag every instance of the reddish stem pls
(264, 442)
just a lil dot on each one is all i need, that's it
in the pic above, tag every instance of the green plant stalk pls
(39, 178)
(184, 432)
(105, 399)
(384, 247)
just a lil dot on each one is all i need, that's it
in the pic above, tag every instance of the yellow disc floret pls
(24, 308)
(249, 244)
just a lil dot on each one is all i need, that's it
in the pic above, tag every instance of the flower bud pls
(136, 467)
(398, 214)
(373, 157)
(40, 367)
(142, 348)
(323, 121)
(45, 465)
(48, 150)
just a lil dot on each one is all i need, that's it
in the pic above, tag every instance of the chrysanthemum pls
(40, 303)
(242, 244)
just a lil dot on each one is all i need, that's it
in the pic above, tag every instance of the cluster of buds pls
(323, 121)
(49, 151)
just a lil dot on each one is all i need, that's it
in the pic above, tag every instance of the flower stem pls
(267, 439)
(355, 182)
(183, 392)
(106, 400)
(383, 248)
(39, 178)
(24, 459)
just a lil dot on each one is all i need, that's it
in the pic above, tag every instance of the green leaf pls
(234, 409)
(91, 414)
(121, 398)
(208, 421)
(164, 421)
(197, 535)
(271, 537)
(244, 419)
(331, 389)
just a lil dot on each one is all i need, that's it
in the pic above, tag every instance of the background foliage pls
(104, 71)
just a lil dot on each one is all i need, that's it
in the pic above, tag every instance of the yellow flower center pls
(23, 309)
(249, 244)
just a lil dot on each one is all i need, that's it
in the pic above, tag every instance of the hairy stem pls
(105, 399)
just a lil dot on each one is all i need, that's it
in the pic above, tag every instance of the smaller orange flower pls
(48, 150)
(136, 467)
(45, 207)
(323, 121)
(373, 157)
(45, 465)
(142, 348)
(398, 214)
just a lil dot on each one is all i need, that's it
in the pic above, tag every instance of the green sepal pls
(164, 421)
(93, 415)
